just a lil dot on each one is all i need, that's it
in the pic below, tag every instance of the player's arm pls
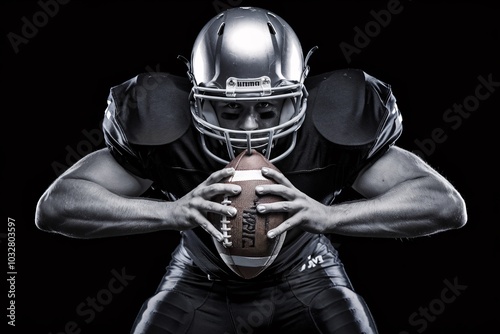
(97, 197)
(404, 197)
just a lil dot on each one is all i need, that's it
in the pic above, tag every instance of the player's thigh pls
(340, 310)
(323, 288)
(173, 312)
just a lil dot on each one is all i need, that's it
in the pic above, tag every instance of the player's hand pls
(191, 210)
(304, 211)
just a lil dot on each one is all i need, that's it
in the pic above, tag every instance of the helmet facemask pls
(224, 69)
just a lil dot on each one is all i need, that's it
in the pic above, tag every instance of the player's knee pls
(165, 312)
(340, 310)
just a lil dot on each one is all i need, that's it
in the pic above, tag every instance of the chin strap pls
(306, 61)
(189, 71)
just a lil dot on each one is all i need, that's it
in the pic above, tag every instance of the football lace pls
(224, 226)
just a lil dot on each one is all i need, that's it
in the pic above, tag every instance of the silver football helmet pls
(247, 54)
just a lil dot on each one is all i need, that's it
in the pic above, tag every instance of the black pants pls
(314, 296)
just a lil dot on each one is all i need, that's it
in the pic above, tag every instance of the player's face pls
(244, 115)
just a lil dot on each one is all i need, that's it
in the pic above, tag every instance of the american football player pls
(248, 87)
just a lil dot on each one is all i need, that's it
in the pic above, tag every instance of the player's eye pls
(266, 110)
(230, 111)
(233, 105)
(263, 105)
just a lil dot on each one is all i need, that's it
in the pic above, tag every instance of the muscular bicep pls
(394, 167)
(101, 168)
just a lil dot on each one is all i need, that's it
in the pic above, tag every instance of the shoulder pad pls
(149, 109)
(352, 108)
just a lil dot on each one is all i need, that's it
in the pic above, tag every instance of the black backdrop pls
(59, 59)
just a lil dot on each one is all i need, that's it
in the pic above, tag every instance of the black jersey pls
(351, 119)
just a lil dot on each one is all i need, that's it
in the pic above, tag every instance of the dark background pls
(54, 89)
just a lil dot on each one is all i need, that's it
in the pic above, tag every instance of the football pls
(246, 249)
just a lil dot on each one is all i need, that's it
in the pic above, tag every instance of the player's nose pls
(249, 122)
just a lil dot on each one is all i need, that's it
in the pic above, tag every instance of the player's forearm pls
(80, 209)
(414, 208)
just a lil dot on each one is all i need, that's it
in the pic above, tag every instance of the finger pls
(275, 207)
(276, 176)
(213, 190)
(275, 189)
(219, 175)
(208, 227)
(205, 206)
(223, 210)
(283, 227)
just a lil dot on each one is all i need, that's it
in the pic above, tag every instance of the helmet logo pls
(260, 86)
